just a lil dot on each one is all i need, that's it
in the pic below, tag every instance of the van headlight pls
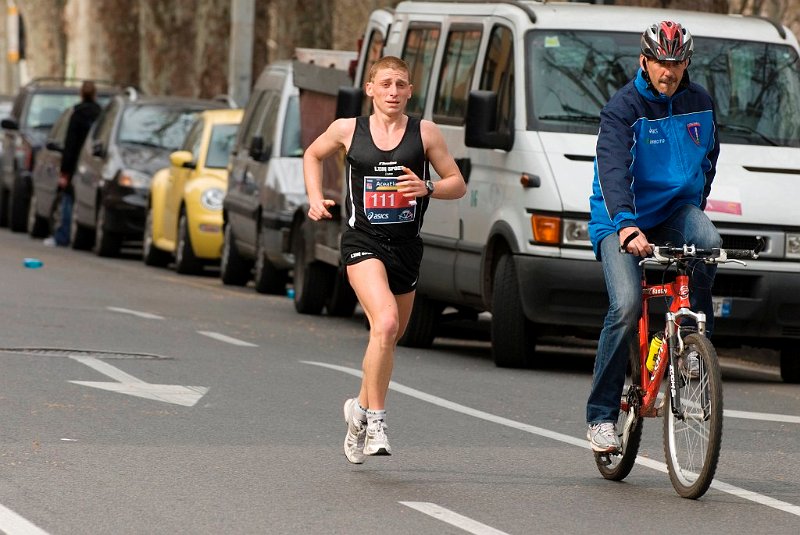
(211, 199)
(576, 233)
(792, 245)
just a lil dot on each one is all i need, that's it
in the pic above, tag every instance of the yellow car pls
(184, 216)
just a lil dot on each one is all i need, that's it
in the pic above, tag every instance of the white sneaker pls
(603, 437)
(356, 433)
(691, 365)
(49, 242)
(376, 441)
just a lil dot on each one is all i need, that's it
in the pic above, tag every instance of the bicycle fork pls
(676, 348)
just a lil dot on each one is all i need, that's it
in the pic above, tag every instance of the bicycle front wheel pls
(692, 441)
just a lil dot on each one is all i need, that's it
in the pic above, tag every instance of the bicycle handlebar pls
(668, 253)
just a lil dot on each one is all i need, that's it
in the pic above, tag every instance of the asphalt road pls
(134, 400)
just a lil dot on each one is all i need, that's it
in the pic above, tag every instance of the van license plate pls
(722, 306)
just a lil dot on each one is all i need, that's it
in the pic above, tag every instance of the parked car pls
(265, 185)
(129, 142)
(184, 215)
(44, 181)
(36, 108)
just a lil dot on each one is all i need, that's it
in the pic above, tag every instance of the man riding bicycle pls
(657, 152)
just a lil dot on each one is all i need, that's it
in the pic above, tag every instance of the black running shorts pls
(401, 260)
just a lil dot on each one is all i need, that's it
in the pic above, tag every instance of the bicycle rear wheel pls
(692, 444)
(616, 467)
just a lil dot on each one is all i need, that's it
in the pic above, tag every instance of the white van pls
(517, 88)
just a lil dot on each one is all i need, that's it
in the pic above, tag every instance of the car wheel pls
(106, 243)
(152, 255)
(186, 262)
(233, 269)
(342, 300)
(422, 323)
(4, 202)
(268, 279)
(38, 226)
(18, 212)
(81, 238)
(790, 364)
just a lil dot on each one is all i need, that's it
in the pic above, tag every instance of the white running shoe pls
(603, 437)
(356, 433)
(376, 442)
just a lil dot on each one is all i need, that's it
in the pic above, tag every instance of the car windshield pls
(44, 109)
(155, 125)
(220, 145)
(755, 86)
(290, 141)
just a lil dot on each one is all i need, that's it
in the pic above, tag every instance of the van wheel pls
(312, 280)
(234, 270)
(152, 255)
(186, 263)
(106, 243)
(790, 365)
(80, 237)
(38, 226)
(342, 299)
(421, 329)
(513, 335)
(268, 279)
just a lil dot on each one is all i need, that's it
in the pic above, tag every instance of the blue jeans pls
(688, 224)
(63, 230)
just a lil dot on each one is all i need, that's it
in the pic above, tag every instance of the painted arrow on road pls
(128, 384)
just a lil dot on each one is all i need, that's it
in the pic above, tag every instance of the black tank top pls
(373, 203)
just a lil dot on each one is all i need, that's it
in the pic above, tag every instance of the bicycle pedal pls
(604, 459)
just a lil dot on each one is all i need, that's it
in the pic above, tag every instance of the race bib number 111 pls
(383, 204)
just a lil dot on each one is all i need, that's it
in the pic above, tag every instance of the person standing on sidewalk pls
(83, 116)
(388, 190)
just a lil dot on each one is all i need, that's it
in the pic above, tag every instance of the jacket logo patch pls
(694, 132)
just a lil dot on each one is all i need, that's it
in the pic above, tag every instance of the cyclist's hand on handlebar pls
(632, 240)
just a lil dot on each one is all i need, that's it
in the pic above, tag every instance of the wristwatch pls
(429, 186)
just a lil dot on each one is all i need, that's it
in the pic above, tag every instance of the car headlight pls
(211, 199)
(130, 178)
(576, 233)
(792, 245)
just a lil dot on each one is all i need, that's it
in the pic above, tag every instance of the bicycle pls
(692, 405)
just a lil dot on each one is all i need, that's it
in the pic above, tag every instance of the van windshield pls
(755, 86)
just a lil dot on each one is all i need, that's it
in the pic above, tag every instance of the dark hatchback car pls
(36, 108)
(44, 182)
(130, 141)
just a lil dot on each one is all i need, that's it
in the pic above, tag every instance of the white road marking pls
(226, 339)
(128, 384)
(13, 524)
(145, 315)
(765, 416)
(454, 519)
(581, 443)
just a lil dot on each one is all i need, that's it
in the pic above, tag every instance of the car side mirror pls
(98, 149)
(258, 150)
(9, 124)
(182, 159)
(54, 146)
(348, 102)
(480, 129)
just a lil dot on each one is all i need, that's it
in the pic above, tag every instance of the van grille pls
(738, 241)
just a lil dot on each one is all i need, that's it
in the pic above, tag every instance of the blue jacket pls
(654, 155)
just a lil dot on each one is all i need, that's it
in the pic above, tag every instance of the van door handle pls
(465, 166)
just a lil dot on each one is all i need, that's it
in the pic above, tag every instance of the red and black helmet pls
(667, 41)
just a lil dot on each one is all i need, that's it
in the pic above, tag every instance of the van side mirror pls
(348, 102)
(9, 124)
(54, 146)
(98, 149)
(480, 129)
(258, 151)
